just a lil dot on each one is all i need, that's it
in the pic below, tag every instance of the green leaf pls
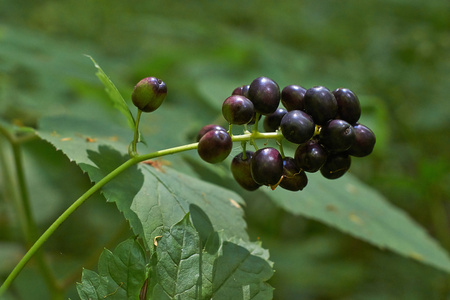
(349, 205)
(114, 94)
(182, 269)
(150, 197)
(121, 274)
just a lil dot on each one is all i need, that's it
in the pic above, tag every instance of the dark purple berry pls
(266, 166)
(240, 168)
(273, 120)
(265, 95)
(293, 178)
(207, 128)
(241, 91)
(364, 141)
(320, 104)
(215, 146)
(349, 108)
(238, 110)
(310, 156)
(337, 164)
(149, 94)
(337, 136)
(292, 97)
(297, 126)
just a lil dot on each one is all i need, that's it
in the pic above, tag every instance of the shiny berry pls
(215, 146)
(266, 166)
(310, 156)
(297, 126)
(337, 164)
(292, 97)
(337, 136)
(238, 110)
(207, 128)
(149, 94)
(273, 120)
(240, 168)
(265, 95)
(320, 104)
(293, 178)
(364, 141)
(241, 91)
(349, 108)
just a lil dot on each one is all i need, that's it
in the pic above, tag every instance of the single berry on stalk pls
(207, 128)
(349, 108)
(364, 141)
(297, 126)
(265, 95)
(238, 110)
(215, 146)
(337, 164)
(266, 166)
(240, 168)
(294, 179)
(149, 94)
(320, 104)
(292, 97)
(337, 136)
(310, 156)
(272, 121)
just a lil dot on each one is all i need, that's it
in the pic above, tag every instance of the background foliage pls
(393, 54)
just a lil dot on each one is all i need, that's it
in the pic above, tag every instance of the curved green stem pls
(132, 161)
(133, 150)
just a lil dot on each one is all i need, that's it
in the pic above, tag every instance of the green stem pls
(133, 152)
(132, 161)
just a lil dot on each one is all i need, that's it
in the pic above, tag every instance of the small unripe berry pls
(149, 94)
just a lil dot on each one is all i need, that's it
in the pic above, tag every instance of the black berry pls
(364, 141)
(149, 94)
(310, 156)
(273, 120)
(349, 108)
(297, 126)
(265, 95)
(337, 136)
(266, 166)
(207, 128)
(337, 164)
(238, 110)
(293, 178)
(292, 97)
(215, 146)
(240, 168)
(241, 91)
(320, 104)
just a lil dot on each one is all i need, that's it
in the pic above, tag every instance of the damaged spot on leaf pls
(234, 203)
(331, 207)
(157, 164)
(155, 240)
(66, 139)
(355, 219)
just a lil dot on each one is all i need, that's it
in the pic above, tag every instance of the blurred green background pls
(395, 55)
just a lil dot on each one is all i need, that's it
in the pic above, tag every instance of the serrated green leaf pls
(121, 274)
(181, 269)
(149, 197)
(349, 205)
(114, 95)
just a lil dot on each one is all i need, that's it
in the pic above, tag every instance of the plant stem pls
(132, 161)
(133, 152)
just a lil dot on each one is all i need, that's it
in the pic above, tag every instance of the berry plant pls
(189, 238)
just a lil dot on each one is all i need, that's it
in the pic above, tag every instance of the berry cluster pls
(323, 123)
